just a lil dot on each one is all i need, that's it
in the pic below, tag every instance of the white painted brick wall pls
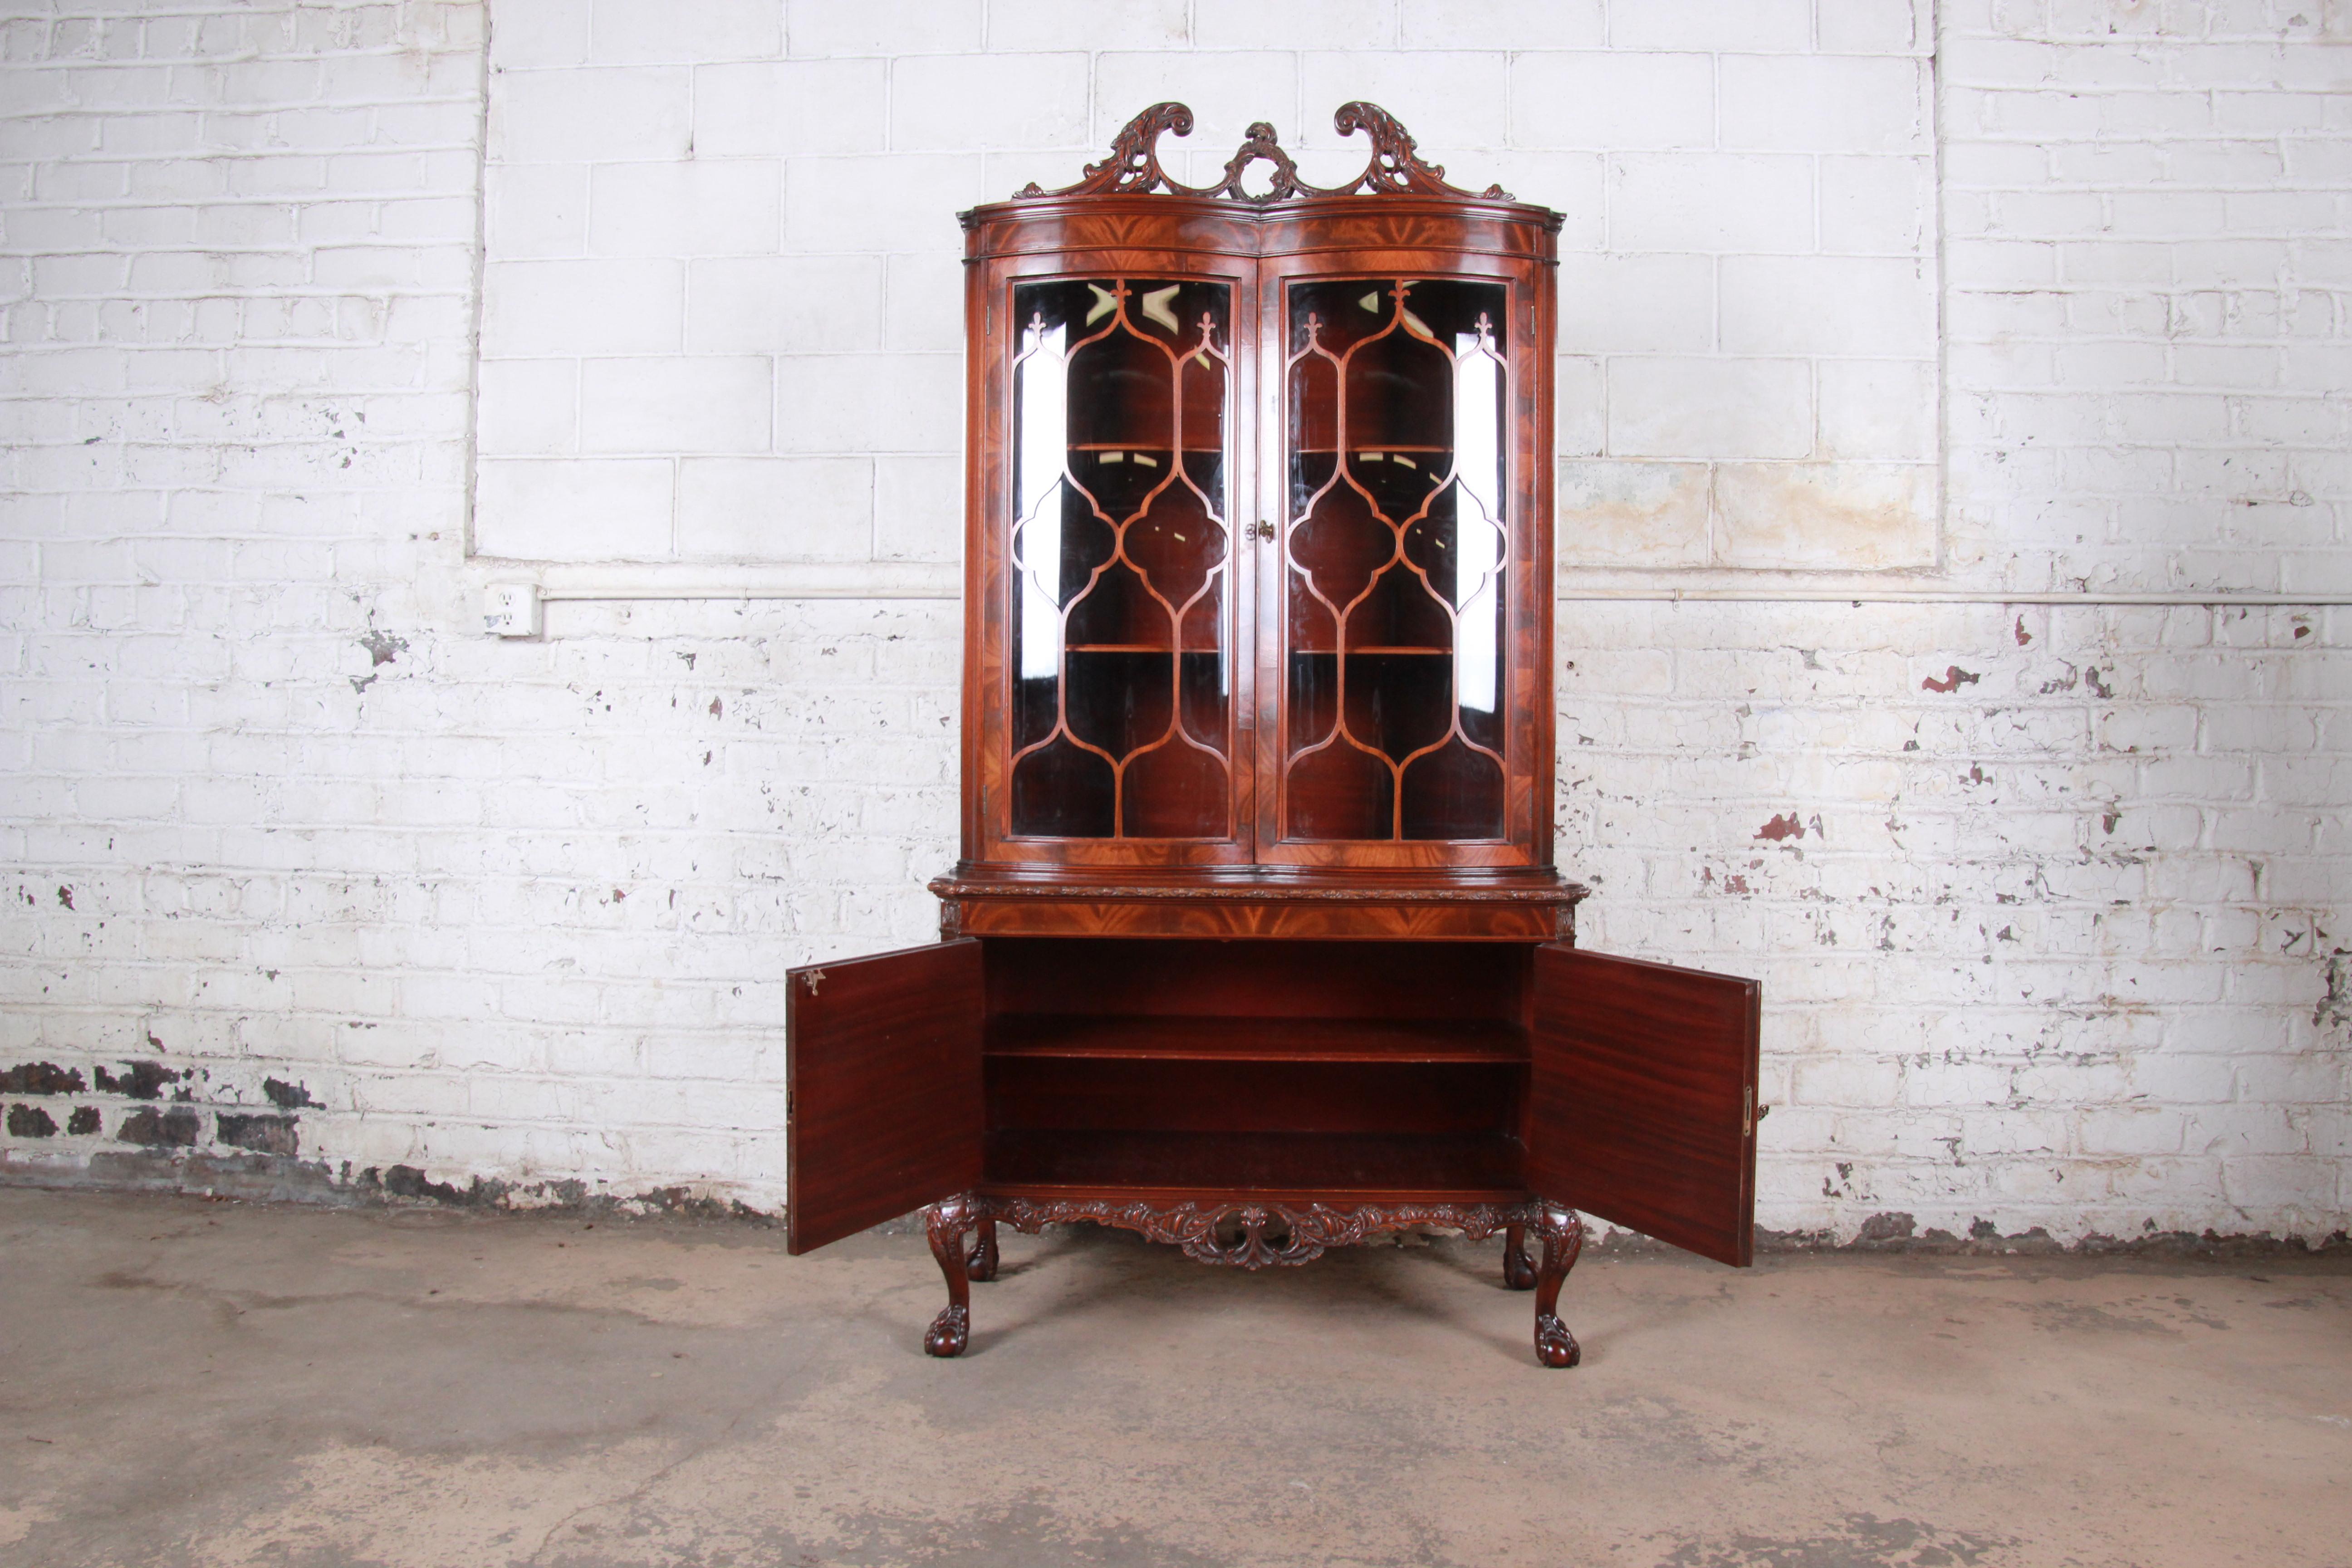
(1750, 200)
(2146, 213)
(2058, 943)
(2047, 948)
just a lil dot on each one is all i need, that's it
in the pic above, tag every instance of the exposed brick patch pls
(30, 1121)
(178, 1126)
(262, 1134)
(144, 1080)
(40, 1078)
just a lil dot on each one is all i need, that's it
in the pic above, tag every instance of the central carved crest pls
(1133, 167)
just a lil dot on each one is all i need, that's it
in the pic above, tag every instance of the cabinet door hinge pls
(1747, 1112)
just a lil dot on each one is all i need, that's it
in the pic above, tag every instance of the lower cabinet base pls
(1255, 1234)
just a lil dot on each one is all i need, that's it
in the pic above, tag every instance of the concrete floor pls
(216, 1384)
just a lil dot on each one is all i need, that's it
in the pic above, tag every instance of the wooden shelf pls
(1161, 1037)
(1133, 647)
(1475, 1165)
(1416, 652)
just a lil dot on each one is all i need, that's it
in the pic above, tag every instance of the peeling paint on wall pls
(145, 1080)
(176, 1128)
(262, 1134)
(40, 1078)
(30, 1121)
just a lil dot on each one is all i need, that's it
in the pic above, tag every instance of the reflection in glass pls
(1122, 677)
(1478, 476)
(1042, 397)
(1396, 550)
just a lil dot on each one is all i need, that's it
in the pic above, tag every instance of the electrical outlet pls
(510, 609)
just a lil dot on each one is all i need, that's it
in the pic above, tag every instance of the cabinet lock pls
(1261, 530)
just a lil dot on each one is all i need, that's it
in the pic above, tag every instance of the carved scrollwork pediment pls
(1133, 167)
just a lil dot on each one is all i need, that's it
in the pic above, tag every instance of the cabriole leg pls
(1563, 1239)
(947, 1223)
(981, 1263)
(1518, 1272)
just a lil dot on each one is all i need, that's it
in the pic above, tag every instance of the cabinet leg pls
(982, 1264)
(947, 1223)
(1518, 1272)
(1563, 1239)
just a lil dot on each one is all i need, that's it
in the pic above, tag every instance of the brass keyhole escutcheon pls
(1262, 529)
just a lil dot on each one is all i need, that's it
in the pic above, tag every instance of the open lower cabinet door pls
(882, 1068)
(1642, 1098)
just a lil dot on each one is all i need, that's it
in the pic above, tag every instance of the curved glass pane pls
(1122, 713)
(1395, 551)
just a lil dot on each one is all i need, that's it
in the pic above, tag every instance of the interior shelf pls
(1380, 648)
(1137, 648)
(1161, 1037)
(1475, 1164)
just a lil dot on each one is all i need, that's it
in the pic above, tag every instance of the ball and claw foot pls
(1563, 1239)
(952, 1330)
(1554, 1346)
(1519, 1269)
(981, 1263)
(947, 1223)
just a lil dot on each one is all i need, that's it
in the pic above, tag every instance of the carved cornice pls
(1133, 167)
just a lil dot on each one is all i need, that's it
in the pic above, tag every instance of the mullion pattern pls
(1454, 514)
(1163, 572)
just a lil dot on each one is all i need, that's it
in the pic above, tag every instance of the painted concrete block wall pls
(2047, 900)
(2144, 212)
(721, 318)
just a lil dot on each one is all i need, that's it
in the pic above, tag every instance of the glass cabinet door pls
(1396, 552)
(1121, 721)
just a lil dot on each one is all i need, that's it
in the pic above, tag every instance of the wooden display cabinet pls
(1256, 945)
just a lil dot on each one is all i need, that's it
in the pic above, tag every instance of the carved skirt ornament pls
(1256, 1234)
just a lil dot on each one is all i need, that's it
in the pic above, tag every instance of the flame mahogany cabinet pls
(1256, 945)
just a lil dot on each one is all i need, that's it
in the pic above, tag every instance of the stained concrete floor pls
(193, 1383)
